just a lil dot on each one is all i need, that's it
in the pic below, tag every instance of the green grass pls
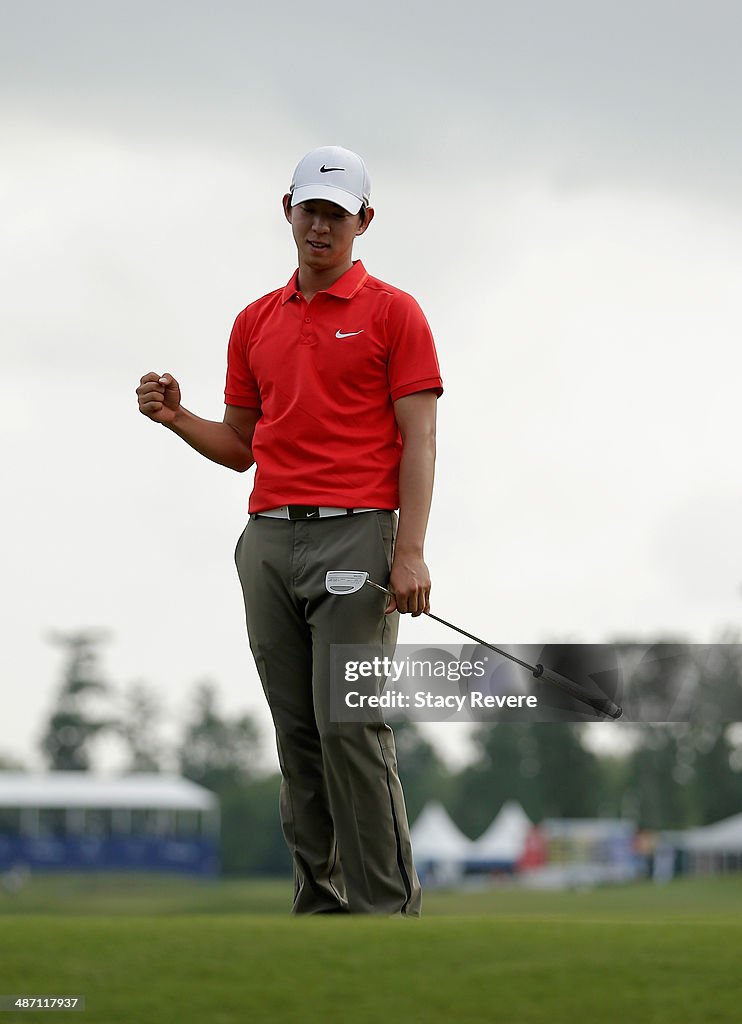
(165, 950)
(106, 893)
(109, 893)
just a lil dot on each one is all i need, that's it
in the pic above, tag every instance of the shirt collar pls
(345, 287)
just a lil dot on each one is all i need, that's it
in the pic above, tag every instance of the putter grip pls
(602, 705)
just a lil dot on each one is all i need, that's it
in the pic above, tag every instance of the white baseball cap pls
(333, 173)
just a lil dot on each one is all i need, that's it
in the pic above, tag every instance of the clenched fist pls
(159, 397)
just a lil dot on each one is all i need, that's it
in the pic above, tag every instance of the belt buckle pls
(303, 512)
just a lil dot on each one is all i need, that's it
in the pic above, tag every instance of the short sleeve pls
(241, 387)
(412, 362)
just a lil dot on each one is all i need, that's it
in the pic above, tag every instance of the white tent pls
(723, 836)
(65, 789)
(81, 797)
(505, 839)
(437, 843)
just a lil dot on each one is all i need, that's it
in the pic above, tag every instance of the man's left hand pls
(409, 584)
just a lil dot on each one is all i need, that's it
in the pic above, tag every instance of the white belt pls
(322, 512)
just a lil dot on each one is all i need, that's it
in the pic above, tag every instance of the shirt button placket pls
(306, 331)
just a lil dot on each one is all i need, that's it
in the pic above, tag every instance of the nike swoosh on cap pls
(324, 170)
(348, 334)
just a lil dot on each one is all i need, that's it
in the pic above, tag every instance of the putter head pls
(344, 581)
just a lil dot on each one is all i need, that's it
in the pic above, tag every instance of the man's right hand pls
(159, 397)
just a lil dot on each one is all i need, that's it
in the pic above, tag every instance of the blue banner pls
(123, 853)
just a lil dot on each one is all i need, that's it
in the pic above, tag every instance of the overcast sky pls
(558, 184)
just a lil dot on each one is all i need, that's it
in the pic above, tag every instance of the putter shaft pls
(603, 707)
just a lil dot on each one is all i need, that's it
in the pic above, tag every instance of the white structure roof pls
(723, 836)
(140, 790)
(505, 839)
(436, 838)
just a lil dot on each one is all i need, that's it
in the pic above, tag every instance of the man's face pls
(324, 232)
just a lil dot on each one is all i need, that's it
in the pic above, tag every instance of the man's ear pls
(287, 207)
(369, 217)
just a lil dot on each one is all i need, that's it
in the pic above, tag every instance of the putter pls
(349, 581)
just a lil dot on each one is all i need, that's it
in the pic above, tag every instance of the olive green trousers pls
(342, 809)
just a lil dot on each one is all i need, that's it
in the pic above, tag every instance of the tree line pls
(673, 776)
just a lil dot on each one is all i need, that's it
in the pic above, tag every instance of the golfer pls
(331, 391)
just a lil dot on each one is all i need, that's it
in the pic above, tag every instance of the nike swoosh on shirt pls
(348, 334)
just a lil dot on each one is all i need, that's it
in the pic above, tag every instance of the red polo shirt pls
(325, 375)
